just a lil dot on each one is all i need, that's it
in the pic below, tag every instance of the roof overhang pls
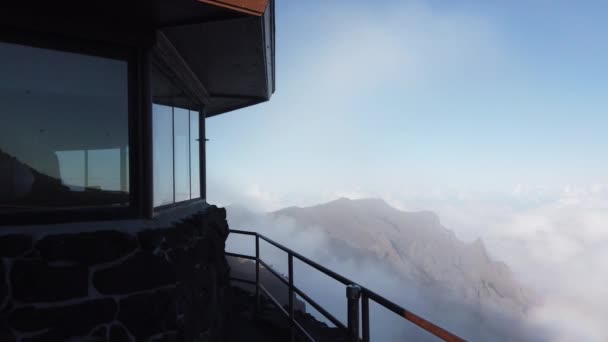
(227, 46)
(254, 7)
(231, 56)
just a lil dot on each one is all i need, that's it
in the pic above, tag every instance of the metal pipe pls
(365, 317)
(275, 273)
(291, 306)
(202, 152)
(278, 305)
(412, 317)
(257, 274)
(241, 280)
(353, 292)
(173, 147)
(305, 260)
(241, 256)
(319, 308)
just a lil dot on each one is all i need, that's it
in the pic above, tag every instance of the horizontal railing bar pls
(241, 280)
(278, 305)
(304, 259)
(244, 232)
(275, 273)
(319, 308)
(412, 317)
(273, 300)
(303, 331)
(242, 256)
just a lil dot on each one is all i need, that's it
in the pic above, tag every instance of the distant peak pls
(345, 202)
(368, 200)
(342, 199)
(479, 246)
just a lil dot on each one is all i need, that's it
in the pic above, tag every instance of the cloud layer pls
(556, 242)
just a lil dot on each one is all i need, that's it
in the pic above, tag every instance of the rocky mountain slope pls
(424, 266)
(417, 246)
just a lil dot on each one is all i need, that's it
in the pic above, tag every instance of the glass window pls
(63, 129)
(181, 151)
(162, 122)
(195, 176)
(176, 155)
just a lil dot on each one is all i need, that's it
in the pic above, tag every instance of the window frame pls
(138, 117)
(201, 166)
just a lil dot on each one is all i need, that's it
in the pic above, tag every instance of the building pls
(105, 233)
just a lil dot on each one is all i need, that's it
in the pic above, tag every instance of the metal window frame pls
(202, 161)
(139, 122)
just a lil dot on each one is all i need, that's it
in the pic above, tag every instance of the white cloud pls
(557, 246)
(560, 248)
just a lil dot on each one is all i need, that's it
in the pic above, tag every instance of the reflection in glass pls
(181, 134)
(57, 107)
(176, 155)
(71, 169)
(102, 171)
(162, 122)
(195, 176)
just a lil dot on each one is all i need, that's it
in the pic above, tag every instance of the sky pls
(491, 113)
(421, 96)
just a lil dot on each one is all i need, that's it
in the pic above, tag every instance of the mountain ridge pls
(417, 245)
(429, 270)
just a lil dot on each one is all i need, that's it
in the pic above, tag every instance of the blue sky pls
(396, 97)
(493, 114)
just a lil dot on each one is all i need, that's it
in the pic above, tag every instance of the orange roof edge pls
(255, 7)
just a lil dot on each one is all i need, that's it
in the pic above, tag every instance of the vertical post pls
(190, 153)
(291, 295)
(173, 147)
(257, 274)
(353, 292)
(141, 152)
(365, 317)
(202, 137)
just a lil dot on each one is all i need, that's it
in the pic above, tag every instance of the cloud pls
(556, 244)
(556, 240)
(558, 247)
(455, 314)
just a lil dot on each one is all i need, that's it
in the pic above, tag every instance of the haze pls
(493, 116)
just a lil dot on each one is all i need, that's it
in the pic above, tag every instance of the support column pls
(202, 152)
(353, 293)
(145, 182)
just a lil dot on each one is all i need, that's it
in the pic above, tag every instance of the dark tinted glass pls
(63, 129)
(176, 155)
(195, 176)
(181, 135)
(162, 121)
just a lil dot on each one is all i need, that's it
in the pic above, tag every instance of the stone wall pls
(164, 284)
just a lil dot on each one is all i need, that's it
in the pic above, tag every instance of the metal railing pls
(358, 297)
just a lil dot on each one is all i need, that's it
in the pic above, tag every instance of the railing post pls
(291, 295)
(257, 274)
(353, 293)
(365, 317)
